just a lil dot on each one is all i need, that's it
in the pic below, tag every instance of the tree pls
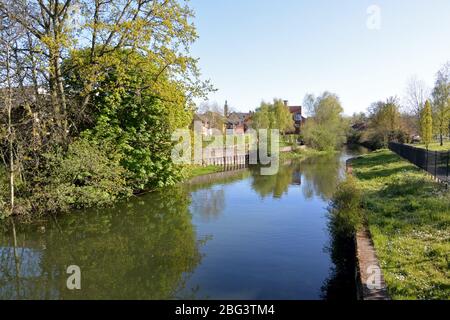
(441, 102)
(117, 73)
(426, 124)
(282, 116)
(262, 117)
(385, 122)
(273, 116)
(131, 117)
(417, 93)
(9, 33)
(159, 29)
(215, 115)
(325, 129)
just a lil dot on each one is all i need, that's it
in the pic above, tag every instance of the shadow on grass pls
(381, 165)
(381, 173)
(376, 158)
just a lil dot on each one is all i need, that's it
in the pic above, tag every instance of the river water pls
(244, 237)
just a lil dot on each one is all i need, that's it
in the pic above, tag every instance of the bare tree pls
(9, 34)
(417, 92)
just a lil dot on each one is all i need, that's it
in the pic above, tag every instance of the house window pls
(298, 117)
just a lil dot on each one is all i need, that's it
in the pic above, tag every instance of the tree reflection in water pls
(209, 203)
(142, 249)
(148, 248)
(277, 185)
(341, 284)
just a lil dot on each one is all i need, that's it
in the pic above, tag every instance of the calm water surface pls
(244, 237)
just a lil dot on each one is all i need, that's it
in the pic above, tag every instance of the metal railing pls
(435, 163)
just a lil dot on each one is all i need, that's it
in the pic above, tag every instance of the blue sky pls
(255, 50)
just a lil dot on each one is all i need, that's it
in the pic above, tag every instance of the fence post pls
(448, 156)
(435, 164)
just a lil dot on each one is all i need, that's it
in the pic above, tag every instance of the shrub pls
(83, 176)
(346, 214)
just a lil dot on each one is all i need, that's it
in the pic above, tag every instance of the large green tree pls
(116, 75)
(385, 123)
(274, 115)
(325, 128)
(441, 102)
(426, 124)
(162, 30)
(134, 117)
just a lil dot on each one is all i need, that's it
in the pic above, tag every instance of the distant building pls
(210, 120)
(297, 117)
(238, 121)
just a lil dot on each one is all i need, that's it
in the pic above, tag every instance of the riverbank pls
(302, 153)
(239, 230)
(435, 146)
(294, 154)
(408, 217)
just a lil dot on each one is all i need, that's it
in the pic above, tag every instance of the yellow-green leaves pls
(426, 124)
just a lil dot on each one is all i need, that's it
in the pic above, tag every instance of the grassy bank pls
(196, 171)
(435, 146)
(409, 217)
(303, 153)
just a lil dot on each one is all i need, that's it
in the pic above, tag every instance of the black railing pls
(435, 163)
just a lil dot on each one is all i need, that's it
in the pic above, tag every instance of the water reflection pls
(277, 185)
(245, 237)
(209, 203)
(321, 176)
(138, 250)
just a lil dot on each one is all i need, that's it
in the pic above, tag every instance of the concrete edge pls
(367, 264)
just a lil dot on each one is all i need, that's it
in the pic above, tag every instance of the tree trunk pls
(62, 100)
(54, 95)
(10, 130)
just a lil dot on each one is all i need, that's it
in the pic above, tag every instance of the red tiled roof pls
(295, 109)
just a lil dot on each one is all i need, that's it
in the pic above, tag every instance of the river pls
(244, 237)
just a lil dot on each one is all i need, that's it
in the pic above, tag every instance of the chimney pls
(225, 109)
(286, 102)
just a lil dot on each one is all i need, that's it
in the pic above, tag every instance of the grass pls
(409, 217)
(435, 146)
(196, 171)
(302, 153)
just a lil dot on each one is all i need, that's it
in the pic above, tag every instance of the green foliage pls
(385, 124)
(325, 129)
(273, 116)
(83, 176)
(426, 124)
(195, 171)
(346, 208)
(134, 250)
(125, 91)
(408, 216)
(441, 102)
(435, 146)
(130, 116)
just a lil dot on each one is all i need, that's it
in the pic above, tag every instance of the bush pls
(322, 138)
(83, 176)
(346, 208)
